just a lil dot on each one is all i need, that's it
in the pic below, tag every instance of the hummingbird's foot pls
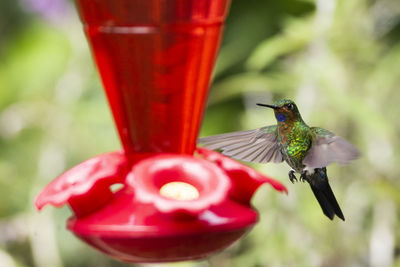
(292, 177)
(303, 176)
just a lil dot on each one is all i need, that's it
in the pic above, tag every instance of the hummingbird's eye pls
(290, 106)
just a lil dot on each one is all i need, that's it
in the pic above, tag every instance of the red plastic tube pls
(155, 58)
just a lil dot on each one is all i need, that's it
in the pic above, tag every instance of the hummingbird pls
(307, 150)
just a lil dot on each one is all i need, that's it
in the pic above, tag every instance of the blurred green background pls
(338, 59)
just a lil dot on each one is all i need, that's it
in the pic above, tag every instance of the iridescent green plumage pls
(308, 150)
(294, 142)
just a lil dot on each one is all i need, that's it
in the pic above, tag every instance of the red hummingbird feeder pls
(177, 202)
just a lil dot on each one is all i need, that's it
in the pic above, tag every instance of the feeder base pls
(164, 249)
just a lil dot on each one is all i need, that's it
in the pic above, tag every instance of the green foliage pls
(339, 60)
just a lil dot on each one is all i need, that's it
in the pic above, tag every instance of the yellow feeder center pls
(179, 191)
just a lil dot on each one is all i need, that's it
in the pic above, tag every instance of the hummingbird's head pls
(285, 110)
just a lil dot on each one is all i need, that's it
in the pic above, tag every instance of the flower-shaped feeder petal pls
(143, 223)
(151, 178)
(86, 187)
(245, 179)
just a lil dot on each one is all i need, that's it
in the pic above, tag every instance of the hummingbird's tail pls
(322, 191)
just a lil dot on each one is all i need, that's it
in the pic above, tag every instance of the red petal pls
(149, 175)
(84, 179)
(245, 179)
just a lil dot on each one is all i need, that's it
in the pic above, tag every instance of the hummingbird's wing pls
(258, 145)
(327, 148)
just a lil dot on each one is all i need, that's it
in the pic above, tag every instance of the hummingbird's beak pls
(269, 106)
